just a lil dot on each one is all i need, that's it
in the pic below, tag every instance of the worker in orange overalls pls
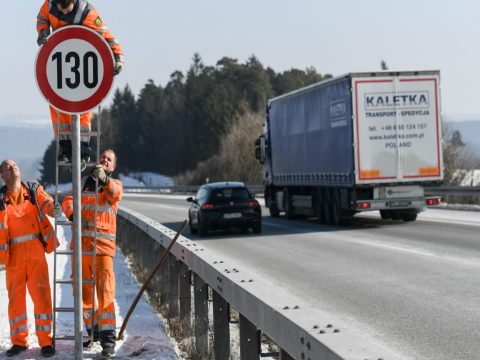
(25, 235)
(110, 192)
(58, 13)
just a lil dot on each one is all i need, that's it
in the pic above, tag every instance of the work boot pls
(15, 350)
(96, 337)
(65, 151)
(47, 351)
(108, 352)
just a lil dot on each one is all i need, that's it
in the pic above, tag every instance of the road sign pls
(74, 69)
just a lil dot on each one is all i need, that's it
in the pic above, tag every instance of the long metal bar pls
(54, 276)
(77, 237)
(94, 287)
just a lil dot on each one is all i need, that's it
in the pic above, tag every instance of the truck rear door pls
(397, 128)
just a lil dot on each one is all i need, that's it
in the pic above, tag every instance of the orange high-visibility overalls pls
(106, 226)
(83, 14)
(30, 235)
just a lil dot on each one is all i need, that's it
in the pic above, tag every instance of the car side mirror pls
(189, 199)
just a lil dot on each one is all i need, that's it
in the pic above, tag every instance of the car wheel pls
(192, 229)
(257, 228)
(202, 229)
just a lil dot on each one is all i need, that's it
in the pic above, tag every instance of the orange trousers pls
(27, 267)
(104, 306)
(66, 124)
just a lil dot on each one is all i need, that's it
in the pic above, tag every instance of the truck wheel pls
(409, 217)
(289, 209)
(274, 212)
(326, 204)
(385, 214)
(336, 214)
(319, 210)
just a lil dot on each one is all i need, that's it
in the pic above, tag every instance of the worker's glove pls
(118, 64)
(99, 173)
(57, 210)
(42, 37)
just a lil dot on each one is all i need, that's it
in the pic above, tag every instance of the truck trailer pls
(353, 143)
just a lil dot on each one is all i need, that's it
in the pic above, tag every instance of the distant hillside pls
(25, 144)
(470, 131)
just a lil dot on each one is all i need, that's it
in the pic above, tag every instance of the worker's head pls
(9, 171)
(65, 6)
(108, 159)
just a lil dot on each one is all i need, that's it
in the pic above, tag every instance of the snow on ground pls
(145, 335)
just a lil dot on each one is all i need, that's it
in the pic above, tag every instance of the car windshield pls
(229, 194)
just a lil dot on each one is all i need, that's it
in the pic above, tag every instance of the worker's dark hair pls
(65, 3)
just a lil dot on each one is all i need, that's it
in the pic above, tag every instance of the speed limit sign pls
(74, 69)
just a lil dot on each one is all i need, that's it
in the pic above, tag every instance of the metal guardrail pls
(300, 331)
(258, 189)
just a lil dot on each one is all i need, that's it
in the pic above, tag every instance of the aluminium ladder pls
(70, 281)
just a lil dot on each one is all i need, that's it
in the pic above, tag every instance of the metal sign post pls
(77, 237)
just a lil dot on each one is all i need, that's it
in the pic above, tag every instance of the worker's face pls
(108, 161)
(67, 10)
(9, 171)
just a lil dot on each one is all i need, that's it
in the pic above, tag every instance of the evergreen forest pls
(202, 123)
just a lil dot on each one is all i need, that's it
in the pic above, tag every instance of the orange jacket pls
(108, 199)
(83, 14)
(31, 224)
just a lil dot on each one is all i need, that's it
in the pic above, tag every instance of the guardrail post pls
(201, 316)
(185, 298)
(249, 340)
(285, 356)
(221, 327)
(164, 284)
(172, 286)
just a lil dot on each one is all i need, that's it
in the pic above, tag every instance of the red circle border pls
(68, 33)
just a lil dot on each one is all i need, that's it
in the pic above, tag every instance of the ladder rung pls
(86, 193)
(64, 252)
(70, 281)
(70, 252)
(64, 309)
(70, 337)
(90, 133)
(63, 222)
(63, 281)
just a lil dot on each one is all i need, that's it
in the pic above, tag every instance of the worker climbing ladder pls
(58, 280)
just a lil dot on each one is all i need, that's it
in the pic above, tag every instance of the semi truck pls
(353, 143)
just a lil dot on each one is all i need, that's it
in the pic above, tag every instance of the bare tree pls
(458, 158)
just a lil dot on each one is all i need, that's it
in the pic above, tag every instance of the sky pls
(145, 336)
(336, 37)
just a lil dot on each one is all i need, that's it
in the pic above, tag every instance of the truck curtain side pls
(358, 142)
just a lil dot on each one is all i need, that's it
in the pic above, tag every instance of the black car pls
(222, 205)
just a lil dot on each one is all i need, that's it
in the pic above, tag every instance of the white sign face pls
(397, 128)
(74, 69)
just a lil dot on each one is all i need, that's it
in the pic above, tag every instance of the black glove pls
(118, 64)
(99, 173)
(42, 37)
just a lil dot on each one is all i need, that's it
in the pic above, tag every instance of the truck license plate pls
(232, 215)
(399, 203)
